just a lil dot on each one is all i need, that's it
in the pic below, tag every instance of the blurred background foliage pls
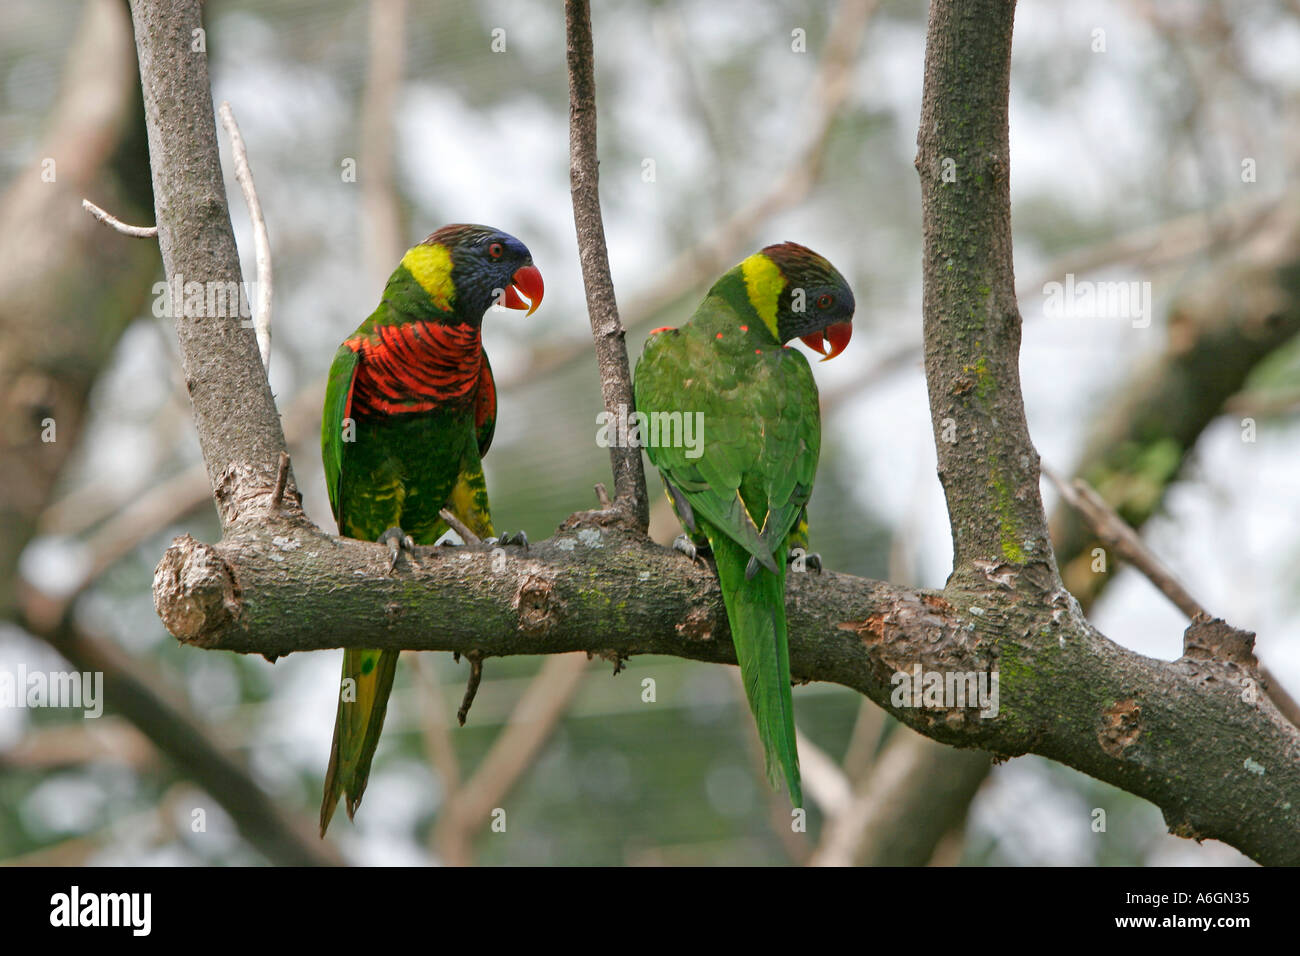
(716, 137)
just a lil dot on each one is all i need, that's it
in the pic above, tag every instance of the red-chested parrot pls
(409, 412)
(743, 487)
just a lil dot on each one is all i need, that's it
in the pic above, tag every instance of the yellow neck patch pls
(431, 266)
(763, 283)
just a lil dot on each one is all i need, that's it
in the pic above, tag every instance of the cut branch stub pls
(194, 591)
(1214, 639)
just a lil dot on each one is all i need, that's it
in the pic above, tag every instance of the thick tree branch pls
(1178, 733)
(987, 463)
(611, 349)
(238, 426)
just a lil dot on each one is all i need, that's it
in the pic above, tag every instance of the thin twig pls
(1117, 534)
(469, 537)
(108, 219)
(471, 686)
(261, 240)
(602, 310)
(602, 495)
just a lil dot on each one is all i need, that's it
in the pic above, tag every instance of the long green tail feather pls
(357, 726)
(756, 612)
(360, 719)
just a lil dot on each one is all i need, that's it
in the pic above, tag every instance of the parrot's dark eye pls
(825, 300)
(495, 250)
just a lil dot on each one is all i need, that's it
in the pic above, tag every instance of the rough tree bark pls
(1219, 761)
(235, 415)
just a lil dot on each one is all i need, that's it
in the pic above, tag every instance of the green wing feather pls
(747, 489)
(485, 411)
(338, 400)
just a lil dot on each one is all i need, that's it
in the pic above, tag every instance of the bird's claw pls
(397, 541)
(507, 539)
(805, 560)
(686, 546)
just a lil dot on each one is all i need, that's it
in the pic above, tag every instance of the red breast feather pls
(415, 367)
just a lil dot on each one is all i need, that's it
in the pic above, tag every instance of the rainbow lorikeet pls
(410, 408)
(743, 489)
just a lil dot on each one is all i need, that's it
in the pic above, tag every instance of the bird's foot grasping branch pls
(397, 541)
(804, 560)
(686, 546)
(509, 538)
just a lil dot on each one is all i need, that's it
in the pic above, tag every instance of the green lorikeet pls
(410, 409)
(743, 488)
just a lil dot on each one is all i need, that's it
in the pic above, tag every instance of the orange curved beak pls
(528, 282)
(837, 335)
